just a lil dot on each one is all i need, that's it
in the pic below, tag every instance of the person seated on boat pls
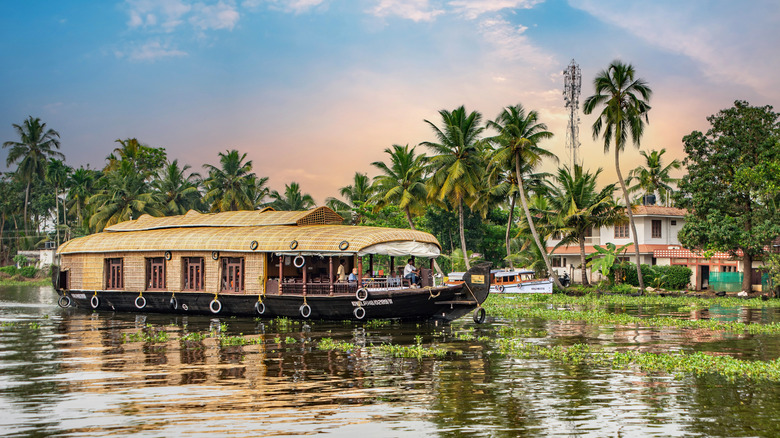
(393, 280)
(410, 272)
(341, 274)
(353, 276)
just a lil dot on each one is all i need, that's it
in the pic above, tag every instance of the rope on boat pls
(430, 291)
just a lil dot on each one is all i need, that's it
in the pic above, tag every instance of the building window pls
(232, 274)
(193, 273)
(656, 229)
(155, 273)
(556, 262)
(621, 230)
(114, 277)
(674, 222)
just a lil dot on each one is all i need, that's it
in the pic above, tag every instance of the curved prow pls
(477, 281)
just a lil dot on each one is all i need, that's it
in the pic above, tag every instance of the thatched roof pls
(247, 218)
(311, 239)
(224, 232)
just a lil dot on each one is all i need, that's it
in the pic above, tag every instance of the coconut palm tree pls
(356, 195)
(653, 177)
(625, 106)
(178, 193)
(401, 182)
(502, 183)
(581, 207)
(257, 191)
(35, 147)
(226, 186)
(457, 165)
(124, 194)
(292, 199)
(57, 174)
(81, 186)
(144, 158)
(519, 135)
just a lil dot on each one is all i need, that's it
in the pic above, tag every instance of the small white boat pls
(514, 282)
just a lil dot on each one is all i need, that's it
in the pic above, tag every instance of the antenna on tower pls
(572, 80)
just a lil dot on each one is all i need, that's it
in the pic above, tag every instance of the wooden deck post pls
(392, 264)
(360, 270)
(330, 275)
(371, 263)
(281, 273)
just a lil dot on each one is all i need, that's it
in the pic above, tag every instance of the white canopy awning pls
(402, 248)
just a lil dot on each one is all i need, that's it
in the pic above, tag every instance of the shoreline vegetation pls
(475, 184)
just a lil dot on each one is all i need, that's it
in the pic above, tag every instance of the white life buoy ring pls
(94, 301)
(359, 312)
(305, 310)
(215, 306)
(174, 303)
(361, 294)
(260, 307)
(501, 288)
(64, 301)
(479, 315)
(140, 302)
(299, 261)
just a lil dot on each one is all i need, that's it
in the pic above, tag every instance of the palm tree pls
(124, 195)
(519, 134)
(502, 183)
(625, 102)
(81, 186)
(257, 191)
(226, 186)
(401, 182)
(356, 195)
(57, 173)
(581, 207)
(178, 193)
(292, 200)
(653, 177)
(32, 152)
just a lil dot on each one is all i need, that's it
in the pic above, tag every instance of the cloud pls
(151, 51)
(161, 15)
(220, 16)
(295, 6)
(415, 10)
(511, 43)
(722, 38)
(474, 8)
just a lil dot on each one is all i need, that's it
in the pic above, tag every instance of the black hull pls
(446, 303)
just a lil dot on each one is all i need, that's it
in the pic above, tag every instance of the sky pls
(315, 90)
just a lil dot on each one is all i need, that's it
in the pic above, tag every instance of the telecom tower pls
(572, 79)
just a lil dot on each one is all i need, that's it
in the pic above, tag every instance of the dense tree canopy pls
(728, 208)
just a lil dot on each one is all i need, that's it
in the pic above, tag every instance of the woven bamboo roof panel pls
(319, 239)
(246, 218)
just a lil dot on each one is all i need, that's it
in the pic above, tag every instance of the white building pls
(657, 229)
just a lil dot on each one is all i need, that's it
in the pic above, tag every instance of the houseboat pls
(260, 263)
(511, 281)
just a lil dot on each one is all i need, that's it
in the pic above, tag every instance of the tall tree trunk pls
(531, 225)
(57, 215)
(411, 225)
(583, 263)
(409, 218)
(26, 201)
(747, 276)
(463, 235)
(509, 228)
(630, 220)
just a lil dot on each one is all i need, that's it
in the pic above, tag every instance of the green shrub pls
(648, 275)
(28, 271)
(10, 270)
(674, 277)
(623, 288)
